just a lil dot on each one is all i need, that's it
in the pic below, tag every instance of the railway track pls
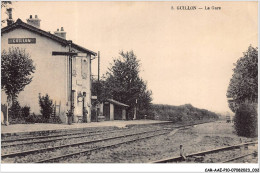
(241, 157)
(60, 152)
(74, 137)
(8, 138)
(45, 135)
(55, 138)
(55, 159)
(203, 154)
(64, 140)
(78, 150)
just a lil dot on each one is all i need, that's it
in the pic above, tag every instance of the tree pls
(16, 69)
(243, 90)
(123, 83)
(5, 5)
(246, 120)
(243, 85)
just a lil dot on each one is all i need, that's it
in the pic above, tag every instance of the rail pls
(179, 158)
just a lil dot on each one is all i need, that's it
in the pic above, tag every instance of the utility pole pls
(98, 85)
(70, 63)
(98, 64)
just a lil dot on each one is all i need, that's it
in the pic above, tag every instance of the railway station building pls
(52, 73)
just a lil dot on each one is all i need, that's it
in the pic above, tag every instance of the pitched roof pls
(20, 24)
(117, 103)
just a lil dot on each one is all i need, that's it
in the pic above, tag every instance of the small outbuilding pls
(113, 110)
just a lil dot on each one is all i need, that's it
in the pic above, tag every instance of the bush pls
(55, 120)
(46, 106)
(31, 119)
(246, 120)
(18, 114)
(39, 119)
(25, 112)
(14, 112)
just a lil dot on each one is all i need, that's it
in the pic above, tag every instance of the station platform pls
(39, 127)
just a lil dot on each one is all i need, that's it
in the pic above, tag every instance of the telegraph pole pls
(98, 64)
(70, 59)
(98, 84)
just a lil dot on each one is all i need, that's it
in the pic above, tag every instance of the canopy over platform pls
(117, 103)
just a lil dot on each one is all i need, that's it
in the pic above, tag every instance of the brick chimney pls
(10, 16)
(34, 21)
(60, 33)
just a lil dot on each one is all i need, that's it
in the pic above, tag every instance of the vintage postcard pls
(132, 86)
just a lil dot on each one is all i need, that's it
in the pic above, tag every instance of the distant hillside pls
(180, 113)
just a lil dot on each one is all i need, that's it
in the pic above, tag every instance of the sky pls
(187, 56)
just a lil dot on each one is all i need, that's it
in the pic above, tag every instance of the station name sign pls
(21, 40)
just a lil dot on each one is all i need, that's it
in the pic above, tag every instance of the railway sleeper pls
(89, 151)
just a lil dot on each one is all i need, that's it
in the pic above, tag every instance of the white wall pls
(81, 83)
(51, 74)
(112, 111)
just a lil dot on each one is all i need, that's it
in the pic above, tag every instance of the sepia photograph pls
(157, 83)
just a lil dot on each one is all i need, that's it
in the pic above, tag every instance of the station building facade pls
(52, 73)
